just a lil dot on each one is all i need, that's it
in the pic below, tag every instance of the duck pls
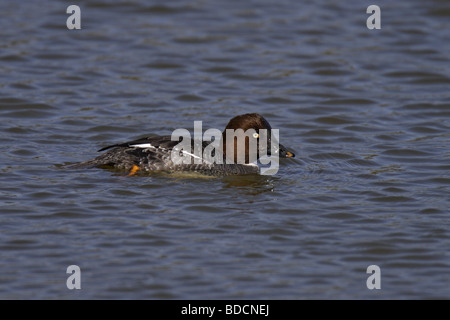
(224, 155)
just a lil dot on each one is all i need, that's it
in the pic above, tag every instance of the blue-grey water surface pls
(366, 112)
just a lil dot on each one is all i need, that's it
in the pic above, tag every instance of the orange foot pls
(133, 170)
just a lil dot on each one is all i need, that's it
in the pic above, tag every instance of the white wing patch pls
(192, 155)
(143, 145)
(253, 164)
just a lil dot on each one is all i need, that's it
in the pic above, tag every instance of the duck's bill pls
(284, 153)
(290, 154)
(276, 148)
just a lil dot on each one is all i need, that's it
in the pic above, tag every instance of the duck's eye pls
(256, 135)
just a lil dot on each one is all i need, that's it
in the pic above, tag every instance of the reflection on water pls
(252, 184)
(365, 111)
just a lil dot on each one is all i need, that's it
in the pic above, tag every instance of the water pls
(365, 111)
